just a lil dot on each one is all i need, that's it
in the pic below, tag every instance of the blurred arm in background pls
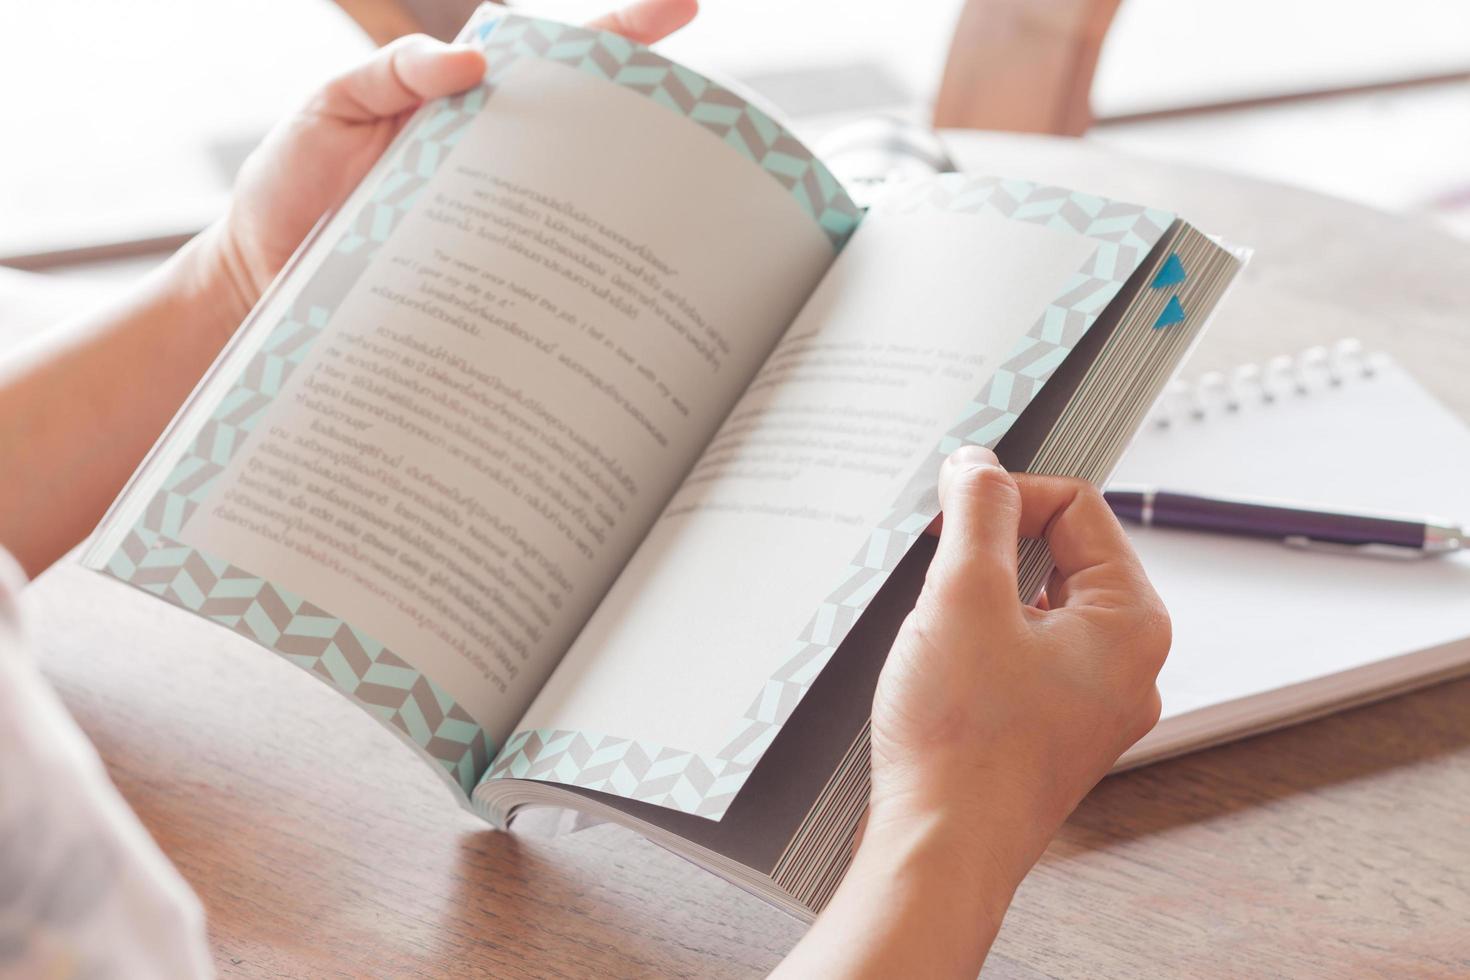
(1024, 66)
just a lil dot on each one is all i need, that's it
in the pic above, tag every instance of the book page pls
(564, 297)
(915, 316)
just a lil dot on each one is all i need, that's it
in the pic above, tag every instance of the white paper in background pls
(1250, 616)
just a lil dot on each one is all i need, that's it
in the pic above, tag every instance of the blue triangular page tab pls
(1171, 273)
(1173, 313)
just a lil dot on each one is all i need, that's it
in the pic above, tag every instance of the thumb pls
(647, 21)
(973, 573)
(408, 71)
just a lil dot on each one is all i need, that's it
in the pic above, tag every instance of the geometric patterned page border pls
(152, 558)
(703, 785)
(737, 123)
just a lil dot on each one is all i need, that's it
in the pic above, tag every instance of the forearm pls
(921, 899)
(79, 411)
(1023, 65)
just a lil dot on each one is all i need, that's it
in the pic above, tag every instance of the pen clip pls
(1370, 550)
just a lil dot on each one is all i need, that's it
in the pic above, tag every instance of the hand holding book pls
(992, 719)
(309, 163)
(1018, 703)
(302, 172)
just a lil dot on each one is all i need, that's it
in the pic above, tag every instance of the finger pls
(1056, 589)
(861, 832)
(974, 566)
(1095, 562)
(1148, 714)
(405, 73)
(647, 21)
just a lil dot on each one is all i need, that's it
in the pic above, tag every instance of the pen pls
(1296, 526)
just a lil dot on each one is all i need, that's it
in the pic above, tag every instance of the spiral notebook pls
(1266, 635)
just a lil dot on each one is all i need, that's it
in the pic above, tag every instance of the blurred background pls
(125, 123)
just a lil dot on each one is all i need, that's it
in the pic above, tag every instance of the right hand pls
(997, 717)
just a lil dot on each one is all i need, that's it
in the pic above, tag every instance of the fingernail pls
(971, 455)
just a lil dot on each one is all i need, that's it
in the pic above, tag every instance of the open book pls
(591, 444)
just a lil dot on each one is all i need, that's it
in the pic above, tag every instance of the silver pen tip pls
(1441, 538)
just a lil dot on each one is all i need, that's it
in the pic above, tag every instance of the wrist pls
(214, 280)
(914, 902)
(941, 858)
(990, 826)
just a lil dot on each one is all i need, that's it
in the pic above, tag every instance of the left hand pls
(311, 161)
(88, 402)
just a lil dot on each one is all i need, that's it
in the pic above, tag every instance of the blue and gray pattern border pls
(743, 127)
(153, 558)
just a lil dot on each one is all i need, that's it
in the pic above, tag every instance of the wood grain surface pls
(322, 846)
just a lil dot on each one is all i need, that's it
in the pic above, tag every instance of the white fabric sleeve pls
(84, 891)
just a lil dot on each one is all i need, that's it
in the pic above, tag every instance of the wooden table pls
(321, 846)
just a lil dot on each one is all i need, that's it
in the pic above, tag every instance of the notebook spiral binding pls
(1280, 379)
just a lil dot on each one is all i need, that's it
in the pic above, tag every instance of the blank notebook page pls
(1253, 617)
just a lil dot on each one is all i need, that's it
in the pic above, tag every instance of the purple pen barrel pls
(1164, 509)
